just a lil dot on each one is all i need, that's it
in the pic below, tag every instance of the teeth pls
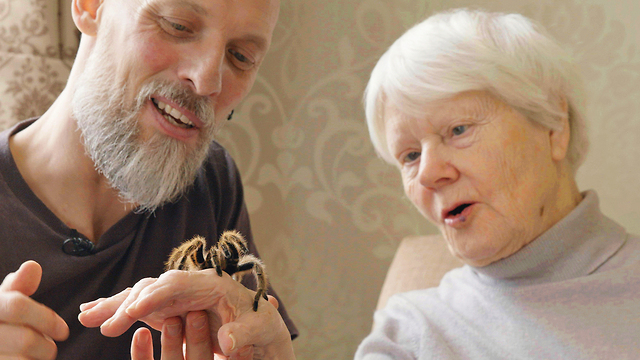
(175, 113)
(185, 120)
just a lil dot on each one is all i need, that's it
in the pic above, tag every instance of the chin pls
(475, 251)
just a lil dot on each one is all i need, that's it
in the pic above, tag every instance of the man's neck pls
(51, 158)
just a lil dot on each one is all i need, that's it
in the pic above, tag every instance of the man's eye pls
(240, 60)
(459, 130)
(179, 27)
(175, 29)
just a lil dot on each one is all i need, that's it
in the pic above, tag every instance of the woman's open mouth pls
(458, 215)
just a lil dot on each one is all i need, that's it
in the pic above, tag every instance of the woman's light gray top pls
(573, 293)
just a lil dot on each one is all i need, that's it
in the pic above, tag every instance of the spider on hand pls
(230, 255)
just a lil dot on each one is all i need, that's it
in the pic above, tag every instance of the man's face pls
(162, 76)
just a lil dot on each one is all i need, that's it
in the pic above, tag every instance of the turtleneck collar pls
(575, 246)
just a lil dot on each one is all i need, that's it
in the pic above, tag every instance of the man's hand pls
(235, 329)
(27, 328)
(197, 340)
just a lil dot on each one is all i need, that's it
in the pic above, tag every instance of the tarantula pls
(230, 255)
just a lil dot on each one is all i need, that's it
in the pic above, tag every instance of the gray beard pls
(148, 173)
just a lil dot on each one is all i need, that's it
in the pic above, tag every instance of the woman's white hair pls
(461, 50)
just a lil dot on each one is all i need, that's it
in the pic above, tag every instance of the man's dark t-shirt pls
(134, 248)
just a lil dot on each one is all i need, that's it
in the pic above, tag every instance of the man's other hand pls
(27, 328)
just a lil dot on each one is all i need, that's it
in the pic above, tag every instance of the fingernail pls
(82, 306)
(131, 307)
(174, 330)
(198, 323)
(233, 342)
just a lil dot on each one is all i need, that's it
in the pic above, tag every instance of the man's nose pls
(204, 71)
(436, 169)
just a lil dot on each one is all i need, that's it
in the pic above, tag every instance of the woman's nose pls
(436, 169)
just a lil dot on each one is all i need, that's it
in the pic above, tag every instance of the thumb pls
(25, 280)
(273, 301)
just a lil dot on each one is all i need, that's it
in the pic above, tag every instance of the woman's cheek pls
(420, 198)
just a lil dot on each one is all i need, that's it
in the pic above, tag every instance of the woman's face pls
(489, 178)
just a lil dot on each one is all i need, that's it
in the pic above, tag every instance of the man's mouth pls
(174, 116)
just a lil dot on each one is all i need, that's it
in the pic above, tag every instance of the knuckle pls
(32, 344)
(27, 340)
(147, 281)
(172, 275)
(16, 305)
(143, 283)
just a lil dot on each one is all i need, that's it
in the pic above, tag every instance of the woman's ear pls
(560, 138)
(85, 15)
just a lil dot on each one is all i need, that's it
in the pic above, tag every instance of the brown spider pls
(230, 255)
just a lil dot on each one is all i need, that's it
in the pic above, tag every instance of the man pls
(123, 167)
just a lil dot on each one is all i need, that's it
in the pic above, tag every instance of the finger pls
(91, 304)
(198, 336)
(172, 339)
(26, 342)
(95, 313)
(246, 353)
(201, 288)
(117, 324)
(25, 280)
(19, 309)
(273, 301)
(142, 345)
(262, 329)
(159, 294)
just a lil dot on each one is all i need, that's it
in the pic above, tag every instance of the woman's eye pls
(411, 157)
(240, 60)
(459, 130)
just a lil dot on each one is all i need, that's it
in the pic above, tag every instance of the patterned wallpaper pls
(36, 53)
(327, 214)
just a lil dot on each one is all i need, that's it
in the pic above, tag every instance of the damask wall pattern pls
(327, 214)
(36, 53)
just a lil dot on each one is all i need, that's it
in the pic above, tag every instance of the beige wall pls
(327, 214)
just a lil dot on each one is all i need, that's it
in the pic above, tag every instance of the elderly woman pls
(483, 115)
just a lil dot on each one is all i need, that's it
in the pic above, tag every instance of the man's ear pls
(560, 138)
(86, 15)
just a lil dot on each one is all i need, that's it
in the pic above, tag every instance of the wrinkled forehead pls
(256, 16)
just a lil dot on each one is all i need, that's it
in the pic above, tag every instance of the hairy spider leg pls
(187, 256)
(253, 264)
(231, 256)
(215, 261)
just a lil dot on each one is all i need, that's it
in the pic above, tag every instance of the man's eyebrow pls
(258, 40)
(194, 7)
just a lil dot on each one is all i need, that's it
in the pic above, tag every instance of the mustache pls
(201, 106)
